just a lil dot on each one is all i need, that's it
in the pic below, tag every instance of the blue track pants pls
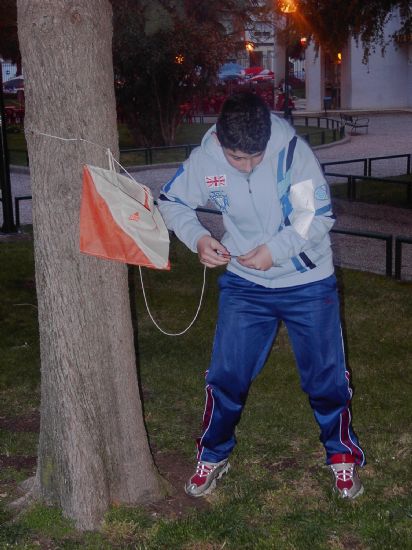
(249, 315)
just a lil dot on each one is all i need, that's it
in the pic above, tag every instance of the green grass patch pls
(383, 191)
(47, 521)
(191, 134)
(19, 346)
(17, 147)
(187, 134)
(316, 136)
(18, 444)
(278, 492)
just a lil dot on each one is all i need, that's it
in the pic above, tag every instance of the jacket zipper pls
(253, 204)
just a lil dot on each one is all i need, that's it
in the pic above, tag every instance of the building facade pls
(384, 82)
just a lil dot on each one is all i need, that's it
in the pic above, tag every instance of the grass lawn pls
(186, 134)
(17, 148)
(278, 493)
(378, 191)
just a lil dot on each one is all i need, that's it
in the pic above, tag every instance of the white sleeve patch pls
(303, 204)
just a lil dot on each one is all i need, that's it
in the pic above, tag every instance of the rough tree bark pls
(93, 447)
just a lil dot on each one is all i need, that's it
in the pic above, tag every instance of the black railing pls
(364, 234)
(321, 122)
(368, 161)
(371, 235)
(352, 187)
(325, 125)
(351, 193)
(148, 154)
(17, 201)
(399, 241)
(406, 155)
(364, 161)
(309, 138)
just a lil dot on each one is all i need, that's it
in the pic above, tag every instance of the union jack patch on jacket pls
(215, 181)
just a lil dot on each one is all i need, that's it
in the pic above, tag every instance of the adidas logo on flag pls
(135, 217)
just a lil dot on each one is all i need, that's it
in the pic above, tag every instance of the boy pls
(277, 216)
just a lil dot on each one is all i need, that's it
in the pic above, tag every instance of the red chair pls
(185, 113)
(10, 115)
(19, 116)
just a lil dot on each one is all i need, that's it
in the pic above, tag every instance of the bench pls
(354, 122)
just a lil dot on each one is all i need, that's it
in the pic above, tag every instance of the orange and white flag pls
(119, 220)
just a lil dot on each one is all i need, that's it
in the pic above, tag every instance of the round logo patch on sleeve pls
(321, 193)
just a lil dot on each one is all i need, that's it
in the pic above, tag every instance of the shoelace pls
(203, 470)
(345, 472)
(343, 476)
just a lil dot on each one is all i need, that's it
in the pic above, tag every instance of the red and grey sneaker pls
(204, 479)
(347, 482)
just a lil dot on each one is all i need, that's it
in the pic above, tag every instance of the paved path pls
(389, 134)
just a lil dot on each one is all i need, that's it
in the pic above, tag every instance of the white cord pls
(112, 160)
(66, 139)
(194, 318)
(111, 165)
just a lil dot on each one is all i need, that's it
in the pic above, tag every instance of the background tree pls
(93, 449)
(330, 24)
(166, 52)
(9, 47)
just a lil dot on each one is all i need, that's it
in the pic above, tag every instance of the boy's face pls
(244, 162)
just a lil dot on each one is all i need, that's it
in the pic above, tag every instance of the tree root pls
(31, 493)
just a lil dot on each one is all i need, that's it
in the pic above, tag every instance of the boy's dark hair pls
(244, 123)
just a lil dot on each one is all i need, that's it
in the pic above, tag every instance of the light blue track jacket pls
(283, 203)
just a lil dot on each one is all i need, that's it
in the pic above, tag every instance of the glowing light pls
(179, 59)
(249, 46)
(287, 6)
(339, 56)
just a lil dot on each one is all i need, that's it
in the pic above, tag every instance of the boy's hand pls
(211, 252)
(259, 258)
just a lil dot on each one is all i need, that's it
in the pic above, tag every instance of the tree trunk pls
(93, 448)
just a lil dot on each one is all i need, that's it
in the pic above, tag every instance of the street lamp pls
(287, 7)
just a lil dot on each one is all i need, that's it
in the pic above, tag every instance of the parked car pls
(13, 85)
(230, 71)
(252, 71)
(264, 75)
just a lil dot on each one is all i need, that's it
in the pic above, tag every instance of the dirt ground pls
(171, 466)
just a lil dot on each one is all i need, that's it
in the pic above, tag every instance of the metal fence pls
(327, 128)
(400, 241)
(352, 187)
(352, 184)
(368, 163)
(365, 234)
(324, 124)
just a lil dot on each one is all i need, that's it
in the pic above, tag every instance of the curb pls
(346, 139)
(16, 169)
